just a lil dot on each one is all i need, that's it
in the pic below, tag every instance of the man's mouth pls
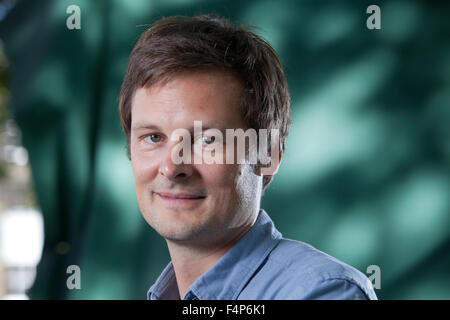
(178, 199)
(187, 196)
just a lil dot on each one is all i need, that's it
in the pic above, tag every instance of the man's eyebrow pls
(150, 126)
(140, 125)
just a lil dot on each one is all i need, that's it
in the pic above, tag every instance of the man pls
(222, 244)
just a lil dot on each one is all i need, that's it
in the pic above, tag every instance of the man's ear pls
(272, 167)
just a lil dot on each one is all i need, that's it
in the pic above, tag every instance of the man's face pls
(198, 203)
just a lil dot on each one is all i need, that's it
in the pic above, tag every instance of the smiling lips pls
(179, 198)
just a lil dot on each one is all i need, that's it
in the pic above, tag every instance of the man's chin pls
(185, 237)
(176, 231)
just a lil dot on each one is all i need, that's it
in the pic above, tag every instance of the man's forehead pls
(222, 79)
(206, 97)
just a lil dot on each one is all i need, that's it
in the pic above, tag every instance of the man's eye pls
(153, 138)
(208, 139)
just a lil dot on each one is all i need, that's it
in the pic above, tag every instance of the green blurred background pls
(366, 172)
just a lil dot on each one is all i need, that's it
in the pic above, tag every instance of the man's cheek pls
(139, 175)
(210, 172)
(140, 169)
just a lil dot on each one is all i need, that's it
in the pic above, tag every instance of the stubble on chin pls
(173, 229)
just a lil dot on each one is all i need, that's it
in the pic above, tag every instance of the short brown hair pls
(210, 42)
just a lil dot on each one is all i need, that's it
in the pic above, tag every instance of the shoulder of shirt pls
(307, 266)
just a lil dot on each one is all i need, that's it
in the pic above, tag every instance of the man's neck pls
(190, 261)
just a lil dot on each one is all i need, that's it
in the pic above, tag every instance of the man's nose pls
(172, 170)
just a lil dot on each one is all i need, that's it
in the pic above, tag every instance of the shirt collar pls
(226, 279)
(165, 287)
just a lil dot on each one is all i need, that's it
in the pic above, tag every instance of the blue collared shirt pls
(263, 265)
